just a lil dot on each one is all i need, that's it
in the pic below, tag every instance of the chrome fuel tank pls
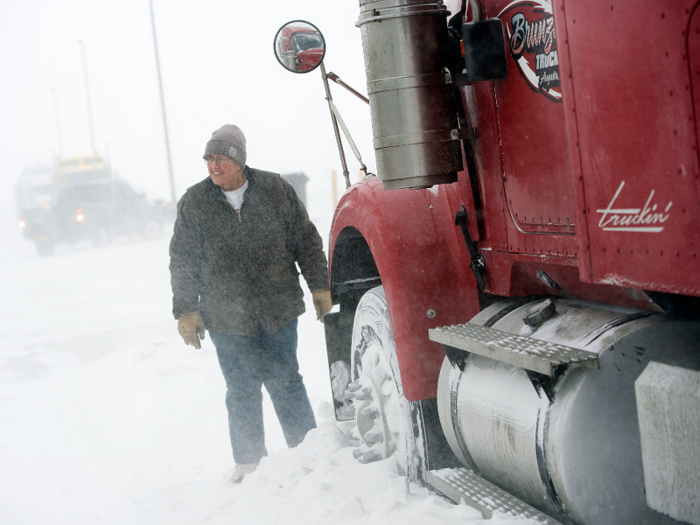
(568, 444)
(414, 124)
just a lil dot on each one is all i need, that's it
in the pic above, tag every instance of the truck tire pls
(45, 248)
(387, 424)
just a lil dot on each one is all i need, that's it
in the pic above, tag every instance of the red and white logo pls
(533, 44)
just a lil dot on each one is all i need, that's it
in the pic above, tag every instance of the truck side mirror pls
(485, 50)
(299, 46)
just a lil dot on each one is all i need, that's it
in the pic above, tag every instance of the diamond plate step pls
(462, 485)
(517, 350)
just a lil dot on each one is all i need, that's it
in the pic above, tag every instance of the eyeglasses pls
(218, 159)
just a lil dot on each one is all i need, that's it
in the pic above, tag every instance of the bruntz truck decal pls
(533, 44)
(645, 219)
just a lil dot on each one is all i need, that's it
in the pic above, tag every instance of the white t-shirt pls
(235, 198)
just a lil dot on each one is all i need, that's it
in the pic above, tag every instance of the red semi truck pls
(519, 286)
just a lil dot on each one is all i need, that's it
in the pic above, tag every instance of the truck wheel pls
(386, 422)
(45, 248)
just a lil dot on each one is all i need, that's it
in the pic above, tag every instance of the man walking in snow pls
(238, 237)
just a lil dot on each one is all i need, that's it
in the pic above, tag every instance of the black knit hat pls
(227, 140)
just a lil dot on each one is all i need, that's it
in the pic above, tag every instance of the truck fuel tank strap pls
(525, 352)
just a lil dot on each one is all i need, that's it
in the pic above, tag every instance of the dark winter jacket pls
(239, 273)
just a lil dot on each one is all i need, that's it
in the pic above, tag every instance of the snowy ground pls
(107, 417)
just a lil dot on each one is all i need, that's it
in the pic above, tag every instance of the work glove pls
(322, 303)
(191, 328)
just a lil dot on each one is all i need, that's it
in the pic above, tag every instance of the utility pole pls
(162, 105)
(87, 96)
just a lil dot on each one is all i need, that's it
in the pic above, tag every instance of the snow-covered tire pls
(384, 417)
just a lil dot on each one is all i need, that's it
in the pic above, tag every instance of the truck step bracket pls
(531, 354)
(462, 485)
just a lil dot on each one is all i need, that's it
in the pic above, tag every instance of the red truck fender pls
(411, 241)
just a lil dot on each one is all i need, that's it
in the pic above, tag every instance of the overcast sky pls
(217, 66)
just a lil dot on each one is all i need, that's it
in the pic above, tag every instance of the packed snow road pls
(106, 416)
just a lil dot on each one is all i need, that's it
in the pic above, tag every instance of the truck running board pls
(517, 350)
(462, 485)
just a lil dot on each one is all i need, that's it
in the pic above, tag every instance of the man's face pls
(225, 173)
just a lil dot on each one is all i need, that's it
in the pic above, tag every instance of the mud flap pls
(338, 329)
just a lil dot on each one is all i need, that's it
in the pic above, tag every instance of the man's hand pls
(191, 328)
(322, 303)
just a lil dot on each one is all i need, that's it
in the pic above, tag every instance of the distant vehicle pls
(80, 199)
(94, 211)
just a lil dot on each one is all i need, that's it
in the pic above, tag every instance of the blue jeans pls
(250, 362)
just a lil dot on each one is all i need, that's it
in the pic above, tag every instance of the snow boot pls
(242, 470)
